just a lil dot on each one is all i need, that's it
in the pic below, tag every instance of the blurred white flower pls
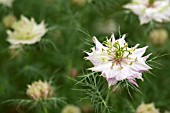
(40, 90)
(105, 26)
(148, 10)
(26, 31)
(7, 3)
(117, 62)
(147, 108)
(71, 109)
(158, 36)
(9, 20)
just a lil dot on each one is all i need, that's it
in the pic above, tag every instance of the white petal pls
(101, 67)
(140, 66)
(99, 46)
(140, 51)
(122, 40)
(146, 57)
(113, 38)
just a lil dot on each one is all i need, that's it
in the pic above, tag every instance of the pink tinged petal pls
(140, 51)
(99, 46)
(146, 57)
(111, 81)
(133, 82)
(139, 76)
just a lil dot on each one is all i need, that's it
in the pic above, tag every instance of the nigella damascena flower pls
(7, 3)
(147, 108)
(148, 10)
(26, 31)
(117, 62)
(40, 90)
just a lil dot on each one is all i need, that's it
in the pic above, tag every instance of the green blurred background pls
(59, 55)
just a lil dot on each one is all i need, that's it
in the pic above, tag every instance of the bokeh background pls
(59, 55)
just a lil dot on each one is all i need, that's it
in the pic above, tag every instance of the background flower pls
(71, 109)
(40, 90)
(7, 3)
(26, 31)
(147, 108)
(149, 10)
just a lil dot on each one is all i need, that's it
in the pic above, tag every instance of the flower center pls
(118, 51)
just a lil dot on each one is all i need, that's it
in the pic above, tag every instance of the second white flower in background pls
(7, 3)
(149, 10)
(147, 108)
(26, 31)
(117, 62)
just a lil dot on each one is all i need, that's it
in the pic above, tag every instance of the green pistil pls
(119, 51)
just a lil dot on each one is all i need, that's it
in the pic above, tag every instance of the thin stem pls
(107, 99)
(44, 108)
(108, 95)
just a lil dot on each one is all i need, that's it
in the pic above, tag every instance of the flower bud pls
(73, 72)
(147, 108)
(158, 36)
(71, 109)
(40, 90)
(79, 2)
(9, 20)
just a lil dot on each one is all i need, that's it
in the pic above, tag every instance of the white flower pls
(71, 109)
(7, 3)
(40, 90)
(26, 31)
(117, 62)
(148, 10)
(147, 108)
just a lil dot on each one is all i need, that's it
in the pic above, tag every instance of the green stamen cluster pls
(118, 50)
